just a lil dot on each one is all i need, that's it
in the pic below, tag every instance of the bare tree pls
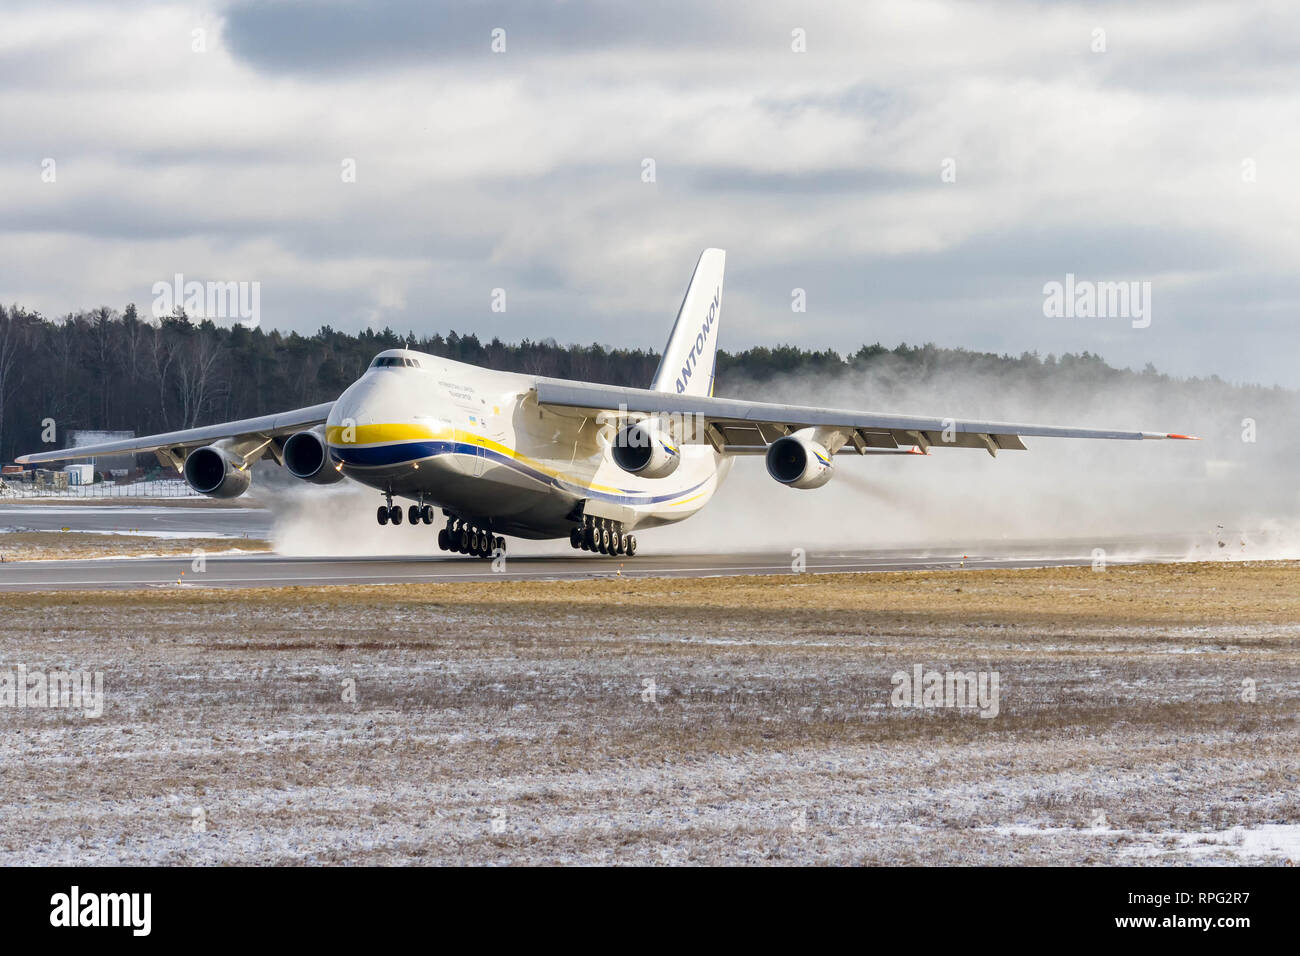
(196, 362)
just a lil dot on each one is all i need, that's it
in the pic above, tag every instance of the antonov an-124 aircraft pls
(500, 453)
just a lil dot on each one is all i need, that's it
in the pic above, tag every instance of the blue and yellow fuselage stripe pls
(378, 446)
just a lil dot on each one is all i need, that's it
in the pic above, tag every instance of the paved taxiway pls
(263, 570)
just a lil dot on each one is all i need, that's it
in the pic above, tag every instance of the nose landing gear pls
(418, 514)
(392, 514)
(602, 535)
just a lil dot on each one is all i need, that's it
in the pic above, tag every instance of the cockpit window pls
(389, 361)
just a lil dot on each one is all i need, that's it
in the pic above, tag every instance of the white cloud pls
(819, 170)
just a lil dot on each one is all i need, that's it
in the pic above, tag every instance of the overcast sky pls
(1168, 158)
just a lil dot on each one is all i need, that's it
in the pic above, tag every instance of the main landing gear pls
(415, 514)
(604, 536)
(464, 538)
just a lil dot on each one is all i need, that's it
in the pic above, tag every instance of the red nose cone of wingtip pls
(1184, 437)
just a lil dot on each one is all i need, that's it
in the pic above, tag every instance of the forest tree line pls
(104, 369)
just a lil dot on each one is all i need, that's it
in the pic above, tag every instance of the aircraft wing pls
(740, 427)
(248, 432)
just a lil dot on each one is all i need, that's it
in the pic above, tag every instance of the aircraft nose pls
(371, 425)
(371, 400)
(366, 410)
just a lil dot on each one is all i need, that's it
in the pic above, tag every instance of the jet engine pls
(643, 449)
(213, 471)
(306, 457)
(798, 461)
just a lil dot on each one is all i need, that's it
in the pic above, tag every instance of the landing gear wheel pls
(395, 514)
(484, 546)
(622, 543)
(631, 545)
(604, 541)
(575, 538)
(444, 540)
(382, 514)
(413, 514)
(465, 539)
(500, 544)
(589, 539)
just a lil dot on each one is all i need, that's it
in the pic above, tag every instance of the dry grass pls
(1208, 592)
(769, 736)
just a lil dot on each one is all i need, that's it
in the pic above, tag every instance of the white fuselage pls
(475, 443)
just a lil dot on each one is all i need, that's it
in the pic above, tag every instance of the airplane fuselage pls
(475, 443)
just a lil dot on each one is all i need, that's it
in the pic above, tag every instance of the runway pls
(263, 570)
(275, 570)
(159, 520)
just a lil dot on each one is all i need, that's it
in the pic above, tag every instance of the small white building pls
(80, 474)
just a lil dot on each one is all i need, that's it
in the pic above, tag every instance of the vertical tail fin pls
(687, 365)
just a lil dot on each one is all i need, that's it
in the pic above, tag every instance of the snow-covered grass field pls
(1147, 716)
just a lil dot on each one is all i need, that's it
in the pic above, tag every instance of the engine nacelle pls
(212, 471)
(798, 461)
(307, 457)
(642, 449)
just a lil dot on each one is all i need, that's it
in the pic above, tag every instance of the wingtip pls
(1184, 437)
